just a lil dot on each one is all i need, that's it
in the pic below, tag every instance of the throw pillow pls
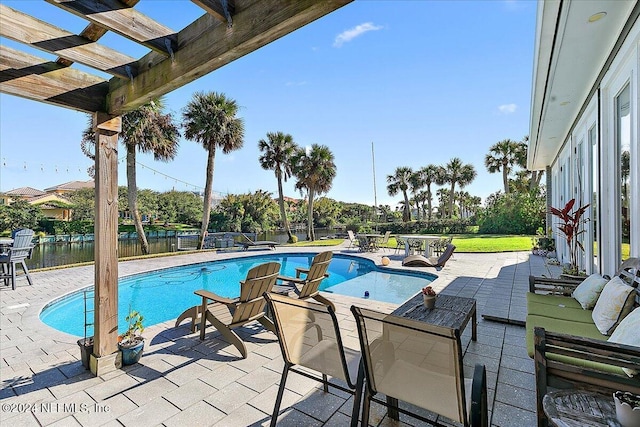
(615, 302)
(589, 290)
(627, 333)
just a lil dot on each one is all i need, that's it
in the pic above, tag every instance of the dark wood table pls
(577, 408)
(450, 311)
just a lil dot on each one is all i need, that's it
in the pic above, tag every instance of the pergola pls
(227, 30)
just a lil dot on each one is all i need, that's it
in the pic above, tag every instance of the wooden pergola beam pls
(206, 45)
(126, 21)
(23, 28)
(215, 9)
(35, 78)
(93, 32)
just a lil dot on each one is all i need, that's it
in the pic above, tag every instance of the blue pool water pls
(163, 294)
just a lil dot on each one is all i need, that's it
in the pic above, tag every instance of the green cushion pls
(587, 330)
(572, 328)
(553, 300)
(560, 312)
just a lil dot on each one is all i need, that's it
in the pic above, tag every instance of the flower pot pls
(131, 353)
(429, 301)
(627, 416)
(86, 349)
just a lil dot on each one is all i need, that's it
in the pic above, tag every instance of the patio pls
(183, 381)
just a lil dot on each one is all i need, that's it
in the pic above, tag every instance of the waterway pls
(65, 253)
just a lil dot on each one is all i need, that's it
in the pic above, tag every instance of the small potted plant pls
(627, 408)
(429, 297)
(131, 342)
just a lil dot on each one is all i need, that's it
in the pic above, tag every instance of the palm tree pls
(430, 175)
(277, 152)
(210, 119)
(315, 170)
(149, 130)
(503, 156)
(399, 182)
(416, 182)
(456, 172)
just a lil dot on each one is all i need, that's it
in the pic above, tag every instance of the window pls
(623, 144)
(595, 185)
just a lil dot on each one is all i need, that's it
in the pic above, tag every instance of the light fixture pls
(597, 16)
(565, 103)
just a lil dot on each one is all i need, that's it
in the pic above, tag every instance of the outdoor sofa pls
(569, 349)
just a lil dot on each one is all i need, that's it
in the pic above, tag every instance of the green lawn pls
(464, 243)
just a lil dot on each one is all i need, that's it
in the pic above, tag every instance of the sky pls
(419, 81)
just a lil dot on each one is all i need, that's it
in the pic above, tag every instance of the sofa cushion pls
(628, 332)
(587, 330)
(589, 290)
(560, 311)
(615, 302)
(555, 300)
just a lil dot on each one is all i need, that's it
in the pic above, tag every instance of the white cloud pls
(358, 30)
(508, 108)
(302, 83)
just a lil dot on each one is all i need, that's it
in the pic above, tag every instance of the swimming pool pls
(162, 295)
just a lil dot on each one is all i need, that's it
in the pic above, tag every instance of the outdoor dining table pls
(372, 240)
(423, 237)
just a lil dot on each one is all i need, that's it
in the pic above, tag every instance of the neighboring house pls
(69, 187)
(51, 201)
(585, 122)
(53, 206)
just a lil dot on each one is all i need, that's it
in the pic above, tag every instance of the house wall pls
(588, 167)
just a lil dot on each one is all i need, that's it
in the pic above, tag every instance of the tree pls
(277, 152)
(19, 214)
(399, 182)
(149, 130)
(430, 175)
(503, 156)
(183, 207)
(416, 182)
(315, 170)
(210, 119)
(458, 173)
(84, 204)
(532, 178)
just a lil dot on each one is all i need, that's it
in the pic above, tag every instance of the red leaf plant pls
(572, 226)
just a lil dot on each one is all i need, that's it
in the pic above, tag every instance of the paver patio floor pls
(184, 381)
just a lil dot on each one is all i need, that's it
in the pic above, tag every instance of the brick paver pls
(182, 381)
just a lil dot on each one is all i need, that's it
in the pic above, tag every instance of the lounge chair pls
(16, 254)
(248, 243)
(227, 314)
(421, 364)
(308, 286)
(433, 261)
(309, 337)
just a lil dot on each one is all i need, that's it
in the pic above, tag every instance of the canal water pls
(65, 253)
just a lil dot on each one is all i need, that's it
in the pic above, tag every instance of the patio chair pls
(353, 242)
(16, 254)
(309, 337)
(415, 245)
(308, 286)
(382, 241)
(433, 261)
(439, 246)
(399, 244)
(227, 314)
(420, 364)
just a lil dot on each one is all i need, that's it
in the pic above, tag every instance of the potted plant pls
(131, 342)
(627, 408)
(429, 297)
(571, 226)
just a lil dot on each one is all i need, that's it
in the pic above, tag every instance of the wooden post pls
(107, 128)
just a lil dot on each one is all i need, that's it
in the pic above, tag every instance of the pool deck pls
(181, 380)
